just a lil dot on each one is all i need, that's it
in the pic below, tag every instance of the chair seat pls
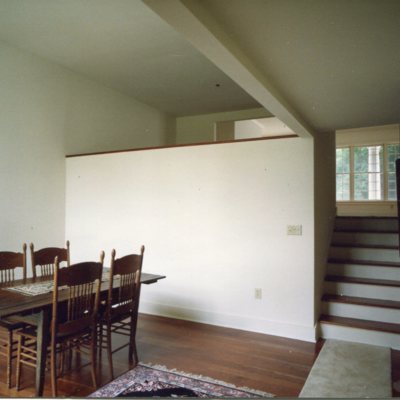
(11, 323)
(28, 319)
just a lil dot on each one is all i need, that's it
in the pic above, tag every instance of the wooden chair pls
(9, 262)
(43, 259)
(77, 289)
(119, 314)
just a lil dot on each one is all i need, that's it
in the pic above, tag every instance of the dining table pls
(30, 299)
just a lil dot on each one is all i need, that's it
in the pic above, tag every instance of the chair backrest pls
(43, 259)
(124, 298)
(9, 262)
(78, 289)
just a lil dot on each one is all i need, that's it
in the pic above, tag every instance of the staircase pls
(361, 301)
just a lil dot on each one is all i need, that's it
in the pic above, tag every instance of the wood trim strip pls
(180, 145)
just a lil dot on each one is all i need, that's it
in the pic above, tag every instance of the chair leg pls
(100, 338)
(21, 343)
(70, 355)
(53, 372)
(93, 351)
(109, 350)
(132, 342)
(61, 360)
(10, 348)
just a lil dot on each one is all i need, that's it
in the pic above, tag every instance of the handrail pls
(398, 196)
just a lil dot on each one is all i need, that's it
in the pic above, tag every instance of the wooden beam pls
(198, 26)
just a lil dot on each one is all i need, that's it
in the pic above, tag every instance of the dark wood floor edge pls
(180, 145)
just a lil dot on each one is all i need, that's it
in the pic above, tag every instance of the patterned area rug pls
(158, 381)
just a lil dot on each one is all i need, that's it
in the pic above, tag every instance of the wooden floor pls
(273, 364)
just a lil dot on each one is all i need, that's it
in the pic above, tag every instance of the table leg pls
(43, 333)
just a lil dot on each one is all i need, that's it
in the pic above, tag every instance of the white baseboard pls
(259, 325)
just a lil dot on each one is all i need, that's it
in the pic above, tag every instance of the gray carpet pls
(348, 370)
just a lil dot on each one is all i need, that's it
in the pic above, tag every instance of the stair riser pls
(329, 331)
(364, 254)
(361, 312)
(361, 290)
(367, 224)
(389, 239)
(364, 271)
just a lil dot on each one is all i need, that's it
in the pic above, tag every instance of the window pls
(366, 173)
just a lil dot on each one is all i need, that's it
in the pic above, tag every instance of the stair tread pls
(361, 323)
(362, 301)
(365, 246)
(365, 217)
(363, 262)
(366, 281)
(355, 230)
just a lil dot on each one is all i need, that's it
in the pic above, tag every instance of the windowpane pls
(343, 160)
(368, 159)
(342, 187)
(368, 186)
(393, 153)
(342, 173)
(368, 177)
(392, 191)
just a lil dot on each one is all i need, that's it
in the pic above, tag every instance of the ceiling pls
(336, 61)
(126, 46)
(324, 64)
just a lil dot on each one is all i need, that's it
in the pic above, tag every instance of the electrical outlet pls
(294, 230)
(258, 293)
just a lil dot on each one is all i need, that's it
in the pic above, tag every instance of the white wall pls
(32, 165)
(200, 128)
(45, 110)
(101, 119)
(213, 219)
(248, 129)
